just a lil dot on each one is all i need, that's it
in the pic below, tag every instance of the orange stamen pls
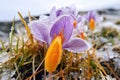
(82, 35)
(75, 23)
(53, 55)
(92, 24)
(61, 35)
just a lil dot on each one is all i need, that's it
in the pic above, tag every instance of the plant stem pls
(93, 37)
(50, 76)
(19, 74)
(33, 65)
(11, 35)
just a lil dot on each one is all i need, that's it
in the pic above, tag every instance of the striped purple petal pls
(39, 31)
(76, 45)
(91, 15)
(64, 25)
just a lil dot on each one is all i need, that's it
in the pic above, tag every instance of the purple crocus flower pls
(93, 15)
(64, 26)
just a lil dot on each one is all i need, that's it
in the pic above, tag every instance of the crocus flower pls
(81, 28)
(64, 27)
(93, 15)
(92, 18)
(58, 38)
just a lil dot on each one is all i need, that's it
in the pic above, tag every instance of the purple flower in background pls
(93, 15)
(63, 11)
(63, 27)
(81, 26)
(92, 18)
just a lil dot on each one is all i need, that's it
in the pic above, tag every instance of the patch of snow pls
(117, 63)
(7, 75)
(4, 56)
(107, 54)
(108, 77)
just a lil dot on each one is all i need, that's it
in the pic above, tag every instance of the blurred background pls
(9, 8)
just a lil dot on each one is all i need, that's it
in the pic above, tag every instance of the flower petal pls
(53, 55)
(58, 12)
(53, 15)
(71, 10)
(91, 15)
(64, 25)
(39, 31)
(76, 45)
